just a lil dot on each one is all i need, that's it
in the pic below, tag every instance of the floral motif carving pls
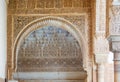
(21, 21)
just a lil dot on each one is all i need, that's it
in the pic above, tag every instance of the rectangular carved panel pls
(49, 4)
(77, 3)
(12, 4)
(31, 4)
(40, 4)
(67, 3)
(21, 21)
(59, 3)
(21, 4)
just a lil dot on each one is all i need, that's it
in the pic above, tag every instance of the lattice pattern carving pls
(49, 49)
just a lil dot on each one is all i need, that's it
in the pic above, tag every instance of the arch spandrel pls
(51, 21)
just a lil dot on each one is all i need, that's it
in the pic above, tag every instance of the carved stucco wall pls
(49, 49)
(51, 21)
(22, 12)
(114, 20)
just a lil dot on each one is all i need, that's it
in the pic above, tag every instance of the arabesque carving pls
(21, 21)
(49, 49)
(115, 20)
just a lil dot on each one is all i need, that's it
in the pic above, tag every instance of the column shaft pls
(100, 73)
(3, 25)
(117, 67)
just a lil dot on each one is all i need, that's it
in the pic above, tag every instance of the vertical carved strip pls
(12, 4)
(40, 4)
(21, 4)
(103, 16)
(100, 15)
(97, 15)
(58, 3)
(49, 4)
(67, 3)
(31, 4)
(77, 3)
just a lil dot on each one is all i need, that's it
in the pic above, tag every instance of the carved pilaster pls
(101, 44)
(101, 47)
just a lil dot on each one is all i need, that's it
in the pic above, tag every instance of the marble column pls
(101, 72)
(114, 36)
(101, 46)
(101, 59)
(115, 48)
(116, 66)
(3, 40)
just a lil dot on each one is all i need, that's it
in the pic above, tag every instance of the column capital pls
(115, 46)
(114, 41)
(101, 58)
(101, 45)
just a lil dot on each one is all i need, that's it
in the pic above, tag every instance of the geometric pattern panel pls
(49, 49)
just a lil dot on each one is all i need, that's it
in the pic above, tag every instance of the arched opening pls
(50, 48)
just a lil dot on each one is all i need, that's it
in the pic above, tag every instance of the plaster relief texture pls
(115, 20)
(22, 12)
